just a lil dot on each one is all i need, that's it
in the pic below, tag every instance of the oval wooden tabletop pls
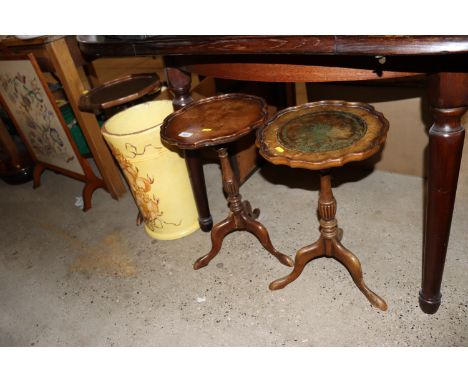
(213, 121)
(322, 134)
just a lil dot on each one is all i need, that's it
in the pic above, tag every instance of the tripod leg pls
(303, 256)
(339, 234)
(88, 191)
(218, 233)
(352, 263)
(259, 230)
(248, 208)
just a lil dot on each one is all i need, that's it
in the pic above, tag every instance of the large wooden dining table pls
(443, 60)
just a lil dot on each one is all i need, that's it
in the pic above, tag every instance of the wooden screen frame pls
(91, 180)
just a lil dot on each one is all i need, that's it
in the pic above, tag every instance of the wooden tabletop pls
(119, 91)
(317, 45)
(213, 121)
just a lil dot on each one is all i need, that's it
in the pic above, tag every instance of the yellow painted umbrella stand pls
(156, 174)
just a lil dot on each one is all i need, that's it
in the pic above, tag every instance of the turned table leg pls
(448, 96)
(197, 180)
(179, 84)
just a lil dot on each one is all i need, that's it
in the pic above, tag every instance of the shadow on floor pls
(310, 180)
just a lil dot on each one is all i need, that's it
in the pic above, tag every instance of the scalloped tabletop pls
(322, 134)
(214, 121)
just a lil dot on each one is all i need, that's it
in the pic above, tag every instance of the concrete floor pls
(69, 278)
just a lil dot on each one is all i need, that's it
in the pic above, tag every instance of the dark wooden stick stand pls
(241, 217)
